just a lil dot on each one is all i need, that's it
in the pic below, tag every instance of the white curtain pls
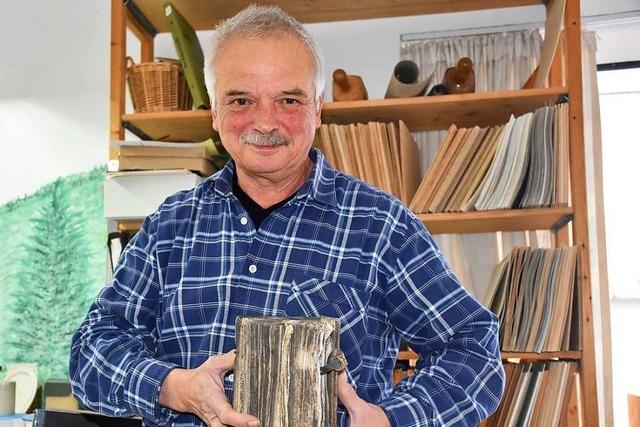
(501, 61)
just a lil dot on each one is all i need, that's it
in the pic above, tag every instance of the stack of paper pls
(535, 294)
(521, 164)
(382, 154)
(562, 187)
(535, 394)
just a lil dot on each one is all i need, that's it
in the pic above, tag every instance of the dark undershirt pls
(255, 211)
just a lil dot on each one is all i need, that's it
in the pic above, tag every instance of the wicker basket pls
(158, 86)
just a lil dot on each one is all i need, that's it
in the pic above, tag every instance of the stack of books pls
(521, 164)
(535, 294)
(382, 154)
(198, 157)
(535, 394)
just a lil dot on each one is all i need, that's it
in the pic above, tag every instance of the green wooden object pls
(190, 53)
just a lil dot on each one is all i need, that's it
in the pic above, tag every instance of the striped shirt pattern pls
(338, 248)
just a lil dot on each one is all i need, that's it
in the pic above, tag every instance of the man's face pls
(265, 111)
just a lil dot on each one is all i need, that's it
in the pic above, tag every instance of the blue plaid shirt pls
(338, 248)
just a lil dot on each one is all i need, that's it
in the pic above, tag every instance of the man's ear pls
(214, 118)
(319, 111)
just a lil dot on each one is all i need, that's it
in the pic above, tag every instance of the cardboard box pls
(137, 194)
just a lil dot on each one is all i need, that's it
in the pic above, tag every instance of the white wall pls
(54, 91)
(54, 76)
(619, 102)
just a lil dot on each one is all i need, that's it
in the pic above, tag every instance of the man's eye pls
(240, 101)
(290, 101)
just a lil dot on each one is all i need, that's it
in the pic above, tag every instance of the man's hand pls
(200, 391)
(361, 413)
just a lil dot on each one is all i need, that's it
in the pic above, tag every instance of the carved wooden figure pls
(348, 87)
(286, 370)
(460, 78)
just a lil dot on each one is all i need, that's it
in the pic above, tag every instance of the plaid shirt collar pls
(320, 185)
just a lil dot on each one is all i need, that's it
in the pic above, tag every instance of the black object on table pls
(50, 418)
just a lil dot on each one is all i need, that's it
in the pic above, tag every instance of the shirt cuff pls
(145, 379)
(404, 410)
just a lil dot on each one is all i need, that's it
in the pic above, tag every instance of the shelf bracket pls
(561, 222)
(142, 19)
(136, 130)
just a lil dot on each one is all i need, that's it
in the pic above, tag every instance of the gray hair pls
(260, 21)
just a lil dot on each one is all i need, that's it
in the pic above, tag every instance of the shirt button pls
(244, 220)
(253, 268)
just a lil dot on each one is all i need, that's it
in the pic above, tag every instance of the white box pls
(137, 194)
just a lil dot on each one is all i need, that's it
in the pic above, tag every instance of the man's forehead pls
(296, 91)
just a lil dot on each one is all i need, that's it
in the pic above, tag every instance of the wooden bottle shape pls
(460, 78)
(348, 87)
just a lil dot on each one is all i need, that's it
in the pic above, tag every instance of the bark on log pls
(286, 370)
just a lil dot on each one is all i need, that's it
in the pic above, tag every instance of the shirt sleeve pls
(112, 368)
(459, 378)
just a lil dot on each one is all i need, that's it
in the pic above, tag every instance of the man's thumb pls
(222, 362)
(347, 394)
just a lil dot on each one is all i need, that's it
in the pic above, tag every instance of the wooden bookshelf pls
(205, 14)
(145, 18)
(522, 356)
(499, 220)
(422, 113)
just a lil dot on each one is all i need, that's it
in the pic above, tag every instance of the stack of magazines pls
(521, 164)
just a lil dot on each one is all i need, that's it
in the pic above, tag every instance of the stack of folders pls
(198, 157)
(535, 394)
(521, 164)
(382, 154)
(535, 294)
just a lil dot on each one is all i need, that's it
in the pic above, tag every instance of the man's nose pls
(266, 120)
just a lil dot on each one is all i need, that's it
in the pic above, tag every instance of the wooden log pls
(286, 370)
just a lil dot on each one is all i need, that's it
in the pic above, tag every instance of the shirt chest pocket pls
(314, 298)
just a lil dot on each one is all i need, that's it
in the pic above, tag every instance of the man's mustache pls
(271, 139)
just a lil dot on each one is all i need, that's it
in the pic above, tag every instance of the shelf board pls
(467, 222)
(205, 14)
(440, 112)
(499, 220)
(551, 355)
(129, 225)
(194, 125)
(407, 355)
(420, 113)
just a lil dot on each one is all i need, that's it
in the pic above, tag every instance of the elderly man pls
(279, 232)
